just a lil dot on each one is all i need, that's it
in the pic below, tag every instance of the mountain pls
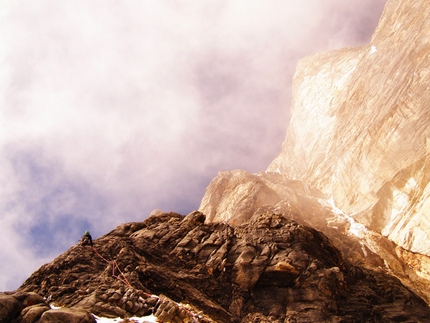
(355, 162)
(335, 230)
(271, 269)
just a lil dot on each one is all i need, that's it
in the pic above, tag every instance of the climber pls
(87, 239)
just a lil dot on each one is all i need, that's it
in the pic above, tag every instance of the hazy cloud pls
(109, 109)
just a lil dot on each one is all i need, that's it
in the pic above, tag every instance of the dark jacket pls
(87, 240)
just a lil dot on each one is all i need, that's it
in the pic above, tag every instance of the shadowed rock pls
(270, 267)
(23, 307)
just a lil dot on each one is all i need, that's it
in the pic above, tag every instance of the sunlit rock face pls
(360, 127)
(355, 161)
(236, 192)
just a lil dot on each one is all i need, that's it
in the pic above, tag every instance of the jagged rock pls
(359, 140)
(170, 311)
(269, 269)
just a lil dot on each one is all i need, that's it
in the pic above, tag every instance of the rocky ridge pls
(356, 153)
(306, 205)
(271, 269)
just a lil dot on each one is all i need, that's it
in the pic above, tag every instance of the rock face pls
(359, 142)
(21, 307)
(231, 197)
(359, 131)
(318, 237)
(270, 270)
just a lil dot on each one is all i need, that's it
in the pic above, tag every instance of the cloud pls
(110, 109)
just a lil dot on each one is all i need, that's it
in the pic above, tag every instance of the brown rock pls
(9, 308)
(270, 267)
(33, 313)
(67, 315)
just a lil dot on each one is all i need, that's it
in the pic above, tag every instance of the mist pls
(110, 109)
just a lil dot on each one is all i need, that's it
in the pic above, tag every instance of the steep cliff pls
(356, 153)
(360, 127)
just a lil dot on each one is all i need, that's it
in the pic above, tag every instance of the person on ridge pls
(87, 239)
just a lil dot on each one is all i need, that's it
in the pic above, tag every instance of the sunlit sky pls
(110, 109)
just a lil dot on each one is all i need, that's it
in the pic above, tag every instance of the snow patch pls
(146, 319)
(355, 228)
(411, 184)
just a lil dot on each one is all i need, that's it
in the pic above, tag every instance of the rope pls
(95, 250)
(121, 276)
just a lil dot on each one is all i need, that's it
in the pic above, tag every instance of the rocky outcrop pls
(358, 244)
(271, 269)
(237, 192)
(357, 145)
(21, 307)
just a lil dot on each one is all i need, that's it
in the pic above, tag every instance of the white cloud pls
(110, 109)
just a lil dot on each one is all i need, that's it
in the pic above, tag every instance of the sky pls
(111, 109)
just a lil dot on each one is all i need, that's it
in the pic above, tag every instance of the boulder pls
(22, 307)
(32, 314)
(10, 308)
(67, 315)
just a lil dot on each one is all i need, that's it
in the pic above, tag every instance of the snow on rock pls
(146, 319)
